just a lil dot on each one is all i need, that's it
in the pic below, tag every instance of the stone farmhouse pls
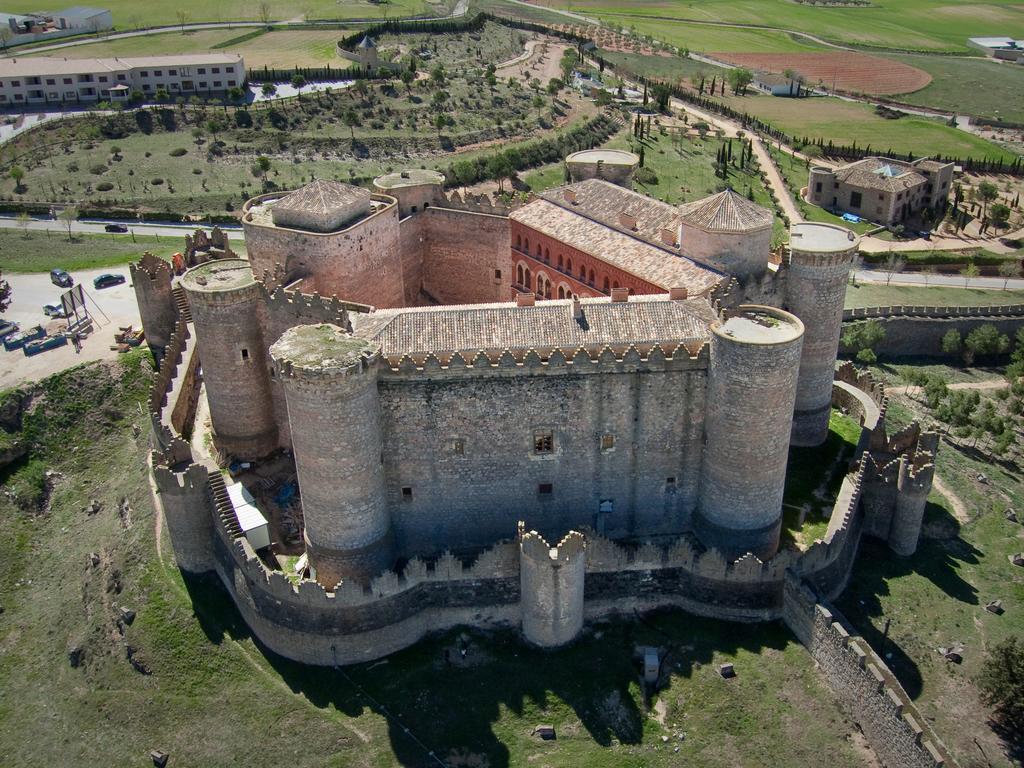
(482, 433)
(881, 189)
(52, 80)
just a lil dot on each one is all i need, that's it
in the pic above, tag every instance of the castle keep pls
(452, 412)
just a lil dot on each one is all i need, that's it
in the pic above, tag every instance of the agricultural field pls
(282, 49)
(925, 25)
(130, 14)
(703, 38)
(983, 88)
(671, 68)
(187, 677)
(843, 70)
(845, 122)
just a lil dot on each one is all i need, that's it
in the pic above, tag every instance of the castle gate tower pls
(330, 381)
(752, 382)
(819, 267)
(225, 301)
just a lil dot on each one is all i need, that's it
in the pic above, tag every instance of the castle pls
(527, 416)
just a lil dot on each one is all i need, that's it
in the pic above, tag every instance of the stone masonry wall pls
(922, 336)
(865, 686)
(461, 442)
(465, 258)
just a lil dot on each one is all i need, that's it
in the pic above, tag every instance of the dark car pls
(116, 227)
(104, 281)
(61, 278)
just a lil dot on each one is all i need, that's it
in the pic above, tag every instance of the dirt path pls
(982, 385)
(959, 508)
(540, 59)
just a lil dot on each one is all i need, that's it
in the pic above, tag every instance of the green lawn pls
(846, 122)
(282, 49)
(34, 251)
(210, 696)
(709, 38)
(898, 24)
(130, 14)
(673, 68)
(881, 295)
(980, 87)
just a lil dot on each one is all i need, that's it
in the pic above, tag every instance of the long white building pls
(47, 80)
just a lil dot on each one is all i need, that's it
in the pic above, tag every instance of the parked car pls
(61, 278)
(7, 328)
(116, 227)
(104, 281)
(19, 340)
(925, 234)
(54, 310)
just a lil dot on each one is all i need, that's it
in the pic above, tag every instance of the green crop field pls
(898, 24)
(980, 87)
(131, 14)
(186, 676)
(281, 49)
(672, 68)
(845, 122)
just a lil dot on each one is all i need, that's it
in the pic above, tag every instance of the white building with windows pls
(46, 80)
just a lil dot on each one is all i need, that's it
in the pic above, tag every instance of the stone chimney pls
(570, 196)
(577, 308)
(677, 294)
(620, 295)
(525, 299)
(668, 237)
(627, 221)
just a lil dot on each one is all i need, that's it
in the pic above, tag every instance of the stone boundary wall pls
(867, 689)
(863, 313)
(174, 394)
(921, 336)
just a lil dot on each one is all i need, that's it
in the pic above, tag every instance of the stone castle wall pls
(922, 336)
(459, 445)
(867, 689)
(464, 256)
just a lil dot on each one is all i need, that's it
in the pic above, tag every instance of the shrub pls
(178, 152)
(157, 181)
(197, 171)
(104, 186)
(645, 176)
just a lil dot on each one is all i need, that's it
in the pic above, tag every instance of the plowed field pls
(844, 70)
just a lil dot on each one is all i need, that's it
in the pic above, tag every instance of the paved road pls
(935, 281)
(95, 226)
(110, 307)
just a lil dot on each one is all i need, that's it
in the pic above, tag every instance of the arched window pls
(568, 266)
(527, 279)
(527, 248)
(615, 284)
(561, 292)
(591, 277)
(561, 263)
(547, 289)
(538, 251)
(519, 274)
(606, 285)
(583, 274)
(547, 255)
(519, 241)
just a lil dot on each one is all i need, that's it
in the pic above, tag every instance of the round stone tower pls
(330, 381)
(415, 190)
(614, 165)
(151, 278)
(819, 267)
(752, 380)
(225, 301)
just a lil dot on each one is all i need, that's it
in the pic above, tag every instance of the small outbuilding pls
(250, 519)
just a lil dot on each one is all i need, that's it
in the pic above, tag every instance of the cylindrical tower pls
(752, 380)
(151, 278)
(913, 486)
(819, 266)
(820, 184)
(551, 588)
(186, 503)
(614, 165)
(225, 300)
(414, 189)
(330, 381)
(729, 232)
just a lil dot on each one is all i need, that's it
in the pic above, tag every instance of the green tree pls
(213, 127)
(969, 271)
(440, 99)
(985, 340)
(5, 293)
(351, 119)
(1002, 684)
(893, 265)
(298, 81)
(465, 173)
(952, 342)
(23, 221)
(1009, 270)
(236, 94)
(862, 338)
(268, 89)
(17, 173)
(987, 192)
(739, 79)
(999, 215)
(437, 76)
(407, 77)
(554, 86)
(261, 168)
(68, 217)
(499, 168)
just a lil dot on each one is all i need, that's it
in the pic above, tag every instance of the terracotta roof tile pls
(323, 196)
(726, 212)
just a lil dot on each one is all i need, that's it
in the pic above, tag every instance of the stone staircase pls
(222, 505)
(181, 304)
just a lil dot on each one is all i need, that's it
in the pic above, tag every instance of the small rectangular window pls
(245, 354)
(607, 442)
(407, 493)
(855, 199)
(543, 442)
(817, 187)
(670, 481)
(497, 274)
(414, 209)
(545, 488)
(202, 70)
(459, 447)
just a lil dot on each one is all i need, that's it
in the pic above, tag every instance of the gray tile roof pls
(468, 329)
(726, 212)
(880, 173)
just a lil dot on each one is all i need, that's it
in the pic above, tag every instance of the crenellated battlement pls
(151, 267)
(311, 307)
(480, 203)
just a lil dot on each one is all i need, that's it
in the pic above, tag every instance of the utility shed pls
(250, 519)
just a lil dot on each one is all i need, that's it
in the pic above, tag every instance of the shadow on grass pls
(448, 705)
(937, 559)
